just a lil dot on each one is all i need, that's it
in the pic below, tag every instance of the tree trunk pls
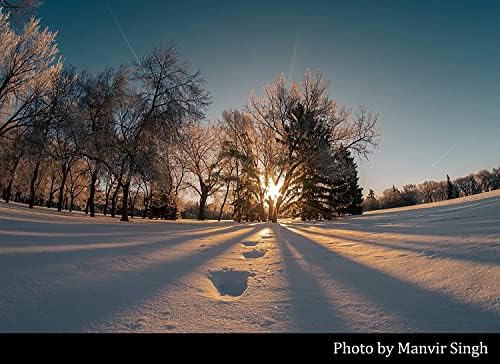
(277, 210)
(33, 185)
(271, 210)
(72, 198)
(262, 210)
(113, 200)
(126, 187)
(132, 202)
(90, 202)
(203, 202)
(8, 190)
(146, 205)
(223, 203)
(51, 193)
(65, 171)
(106, 202)
(132, 205)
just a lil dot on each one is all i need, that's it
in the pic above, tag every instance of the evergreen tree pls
(311, 142)
(246, 184)
(451, 190)
(328, 178)
(349, 195)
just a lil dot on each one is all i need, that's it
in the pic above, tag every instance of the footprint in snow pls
(229, 282)
(250, 243)
(255, 253)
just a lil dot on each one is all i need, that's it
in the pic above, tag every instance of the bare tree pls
(77, 180)
(391, 198)
(168, 96)
(353, 130)
(250, 151)
(63, 129)
(201, 150)
(109, 181)
(468, 185)
(28, 64)
(485, 180)
(11, 153)
(432, 191)
(20, 10)
(101, 96)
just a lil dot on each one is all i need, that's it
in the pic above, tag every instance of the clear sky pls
(430, 68)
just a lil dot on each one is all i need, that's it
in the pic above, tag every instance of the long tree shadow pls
(15, 239)
(311, 308)
(423, 210)
(420, 309)
(455, 226)
(37, 258)
(477, 255)
(73, 306)
(59, 227)
(471, 255)
(452, 219)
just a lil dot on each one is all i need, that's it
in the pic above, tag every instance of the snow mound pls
(255, 253)
(230, 282)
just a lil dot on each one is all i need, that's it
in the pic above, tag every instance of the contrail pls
(443, 156)
(117, 23)
(292, 62)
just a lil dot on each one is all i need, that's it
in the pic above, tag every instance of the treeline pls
(72, 139)
(431, 191)
(133, 141)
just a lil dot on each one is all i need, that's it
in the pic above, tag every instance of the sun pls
(273, 189)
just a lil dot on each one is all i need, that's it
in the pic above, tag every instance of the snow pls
(415, 269)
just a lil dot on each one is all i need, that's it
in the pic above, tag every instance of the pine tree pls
(348, 195)
(328, 179)
(312, 145)
(245, 204)
(354, 193)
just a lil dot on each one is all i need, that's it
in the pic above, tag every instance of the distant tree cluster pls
(431, 191)
(133, 140)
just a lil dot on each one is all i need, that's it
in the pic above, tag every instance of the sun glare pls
(273, 189)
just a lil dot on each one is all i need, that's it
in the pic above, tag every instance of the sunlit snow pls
(425, 268)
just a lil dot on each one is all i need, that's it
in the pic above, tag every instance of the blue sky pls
(430, 68)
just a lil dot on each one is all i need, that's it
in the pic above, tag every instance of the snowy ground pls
(426, 268)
